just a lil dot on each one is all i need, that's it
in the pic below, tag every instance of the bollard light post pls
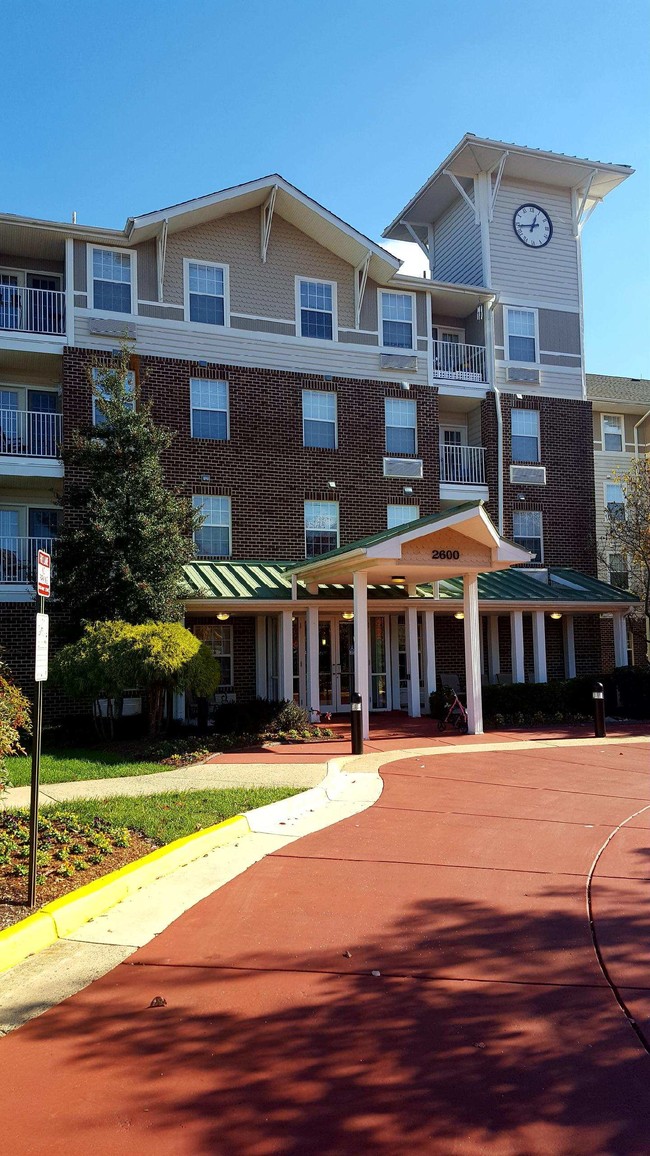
(356, 718)
(598, 695)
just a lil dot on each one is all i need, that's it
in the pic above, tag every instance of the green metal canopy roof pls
(271, 581)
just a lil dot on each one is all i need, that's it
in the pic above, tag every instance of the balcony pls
(30, 434)
(32, 310)
(18, 558)
(459, 362)
(462, 473)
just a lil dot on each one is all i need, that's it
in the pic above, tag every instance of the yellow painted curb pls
(63, 916)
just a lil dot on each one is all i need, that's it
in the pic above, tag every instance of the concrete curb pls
(63, 916)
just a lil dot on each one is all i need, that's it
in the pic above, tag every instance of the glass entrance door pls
(335, 664)
(379, 680)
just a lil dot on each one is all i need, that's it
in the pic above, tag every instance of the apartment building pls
(396, 473)
(621, 421)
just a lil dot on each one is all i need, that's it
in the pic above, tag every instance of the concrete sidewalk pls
(419, 978)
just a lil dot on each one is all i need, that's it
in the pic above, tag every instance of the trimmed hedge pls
(259, 716)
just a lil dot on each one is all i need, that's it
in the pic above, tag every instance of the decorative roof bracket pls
(161, 246)
(494, 189)
(360, 281)
(266, 219)
(464, 194)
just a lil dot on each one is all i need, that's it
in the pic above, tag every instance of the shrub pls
(627, 691)
(260, 716)
(530, 700)
(14, 717)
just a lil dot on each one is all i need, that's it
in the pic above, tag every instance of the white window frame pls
(215, 381)
(96, 370)
(606, 503)
(450, 329)
(299, 279)
(397, 349)
(202, 498)
(447, 428)
(415, 514)
(507, 309)
(541, 532)
(414, 427)
(187, 261)
(329, 393)
(227, 629)
(133, 254)
(617, 554)
(620, 418)
(524, 409)
(324, 502)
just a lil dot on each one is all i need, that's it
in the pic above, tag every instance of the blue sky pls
(115, 108)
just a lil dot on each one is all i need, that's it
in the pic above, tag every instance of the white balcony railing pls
(458, 361)
(30, 434)
(18, 557)
(462, 465)
(32, 310)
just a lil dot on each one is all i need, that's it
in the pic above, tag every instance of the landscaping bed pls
(86, 838)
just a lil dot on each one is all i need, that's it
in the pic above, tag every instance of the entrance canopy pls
(461, 540)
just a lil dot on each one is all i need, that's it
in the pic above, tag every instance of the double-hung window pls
(316, 302)
(525, 435)
(321, 527)
(212, 540)
(615, 501)
(399, 515)
(527, 532)
(98, 376)
(522, 334)
(209, 402)
(401, 421)
(397, 320)
(613, 433)
(112, 278)
(619, 574)
(219, 639)
(205, 293)
(319, 419)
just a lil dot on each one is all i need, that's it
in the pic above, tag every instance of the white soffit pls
(476, 154)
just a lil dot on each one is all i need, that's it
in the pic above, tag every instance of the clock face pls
(533, 226)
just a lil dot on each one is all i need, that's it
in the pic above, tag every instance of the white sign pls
(43, 575)
(42, 639)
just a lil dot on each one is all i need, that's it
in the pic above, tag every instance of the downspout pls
(497, 402)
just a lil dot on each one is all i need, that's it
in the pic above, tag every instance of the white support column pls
(620, 639)
(313, 683)
(286, 656)
(261, 688)
(429, 655)
(569, 646)
(517, 645)
(412, 663)
(472, 655)
(539, 647)
(361, 680)
(494, 657)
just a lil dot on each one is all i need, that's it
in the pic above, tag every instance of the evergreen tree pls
(125, 535)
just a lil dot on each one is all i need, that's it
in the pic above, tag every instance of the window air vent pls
(528, 475)
(402, 468)
(523, 376)
(397, 361)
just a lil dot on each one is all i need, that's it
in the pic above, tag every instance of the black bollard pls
(356, 717)
(598, 695)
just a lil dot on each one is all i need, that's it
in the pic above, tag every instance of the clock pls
(533, 226)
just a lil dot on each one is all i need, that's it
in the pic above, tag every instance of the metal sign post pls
(40, 676)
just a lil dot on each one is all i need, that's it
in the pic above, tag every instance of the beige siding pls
(31, 264)
(559, 332)
(263, 289)
(370, 307)
(236, 347)
(80, 267)
(457, 246)
(561, 382)
(549, 274)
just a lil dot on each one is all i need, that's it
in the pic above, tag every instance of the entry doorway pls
(335, 664)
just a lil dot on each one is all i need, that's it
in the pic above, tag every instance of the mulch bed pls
(13, 889)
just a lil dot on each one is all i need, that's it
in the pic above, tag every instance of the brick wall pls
(264, 467)
(567, 501)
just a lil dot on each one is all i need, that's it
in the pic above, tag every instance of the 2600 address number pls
(446, 555)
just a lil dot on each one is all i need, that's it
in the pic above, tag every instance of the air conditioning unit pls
(528, 475)
(402, 468)
(397, 361)
(522, 376)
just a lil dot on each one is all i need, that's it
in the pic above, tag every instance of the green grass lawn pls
(68, 766)
(170, 815)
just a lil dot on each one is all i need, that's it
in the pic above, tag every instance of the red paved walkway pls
(491, 1028)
